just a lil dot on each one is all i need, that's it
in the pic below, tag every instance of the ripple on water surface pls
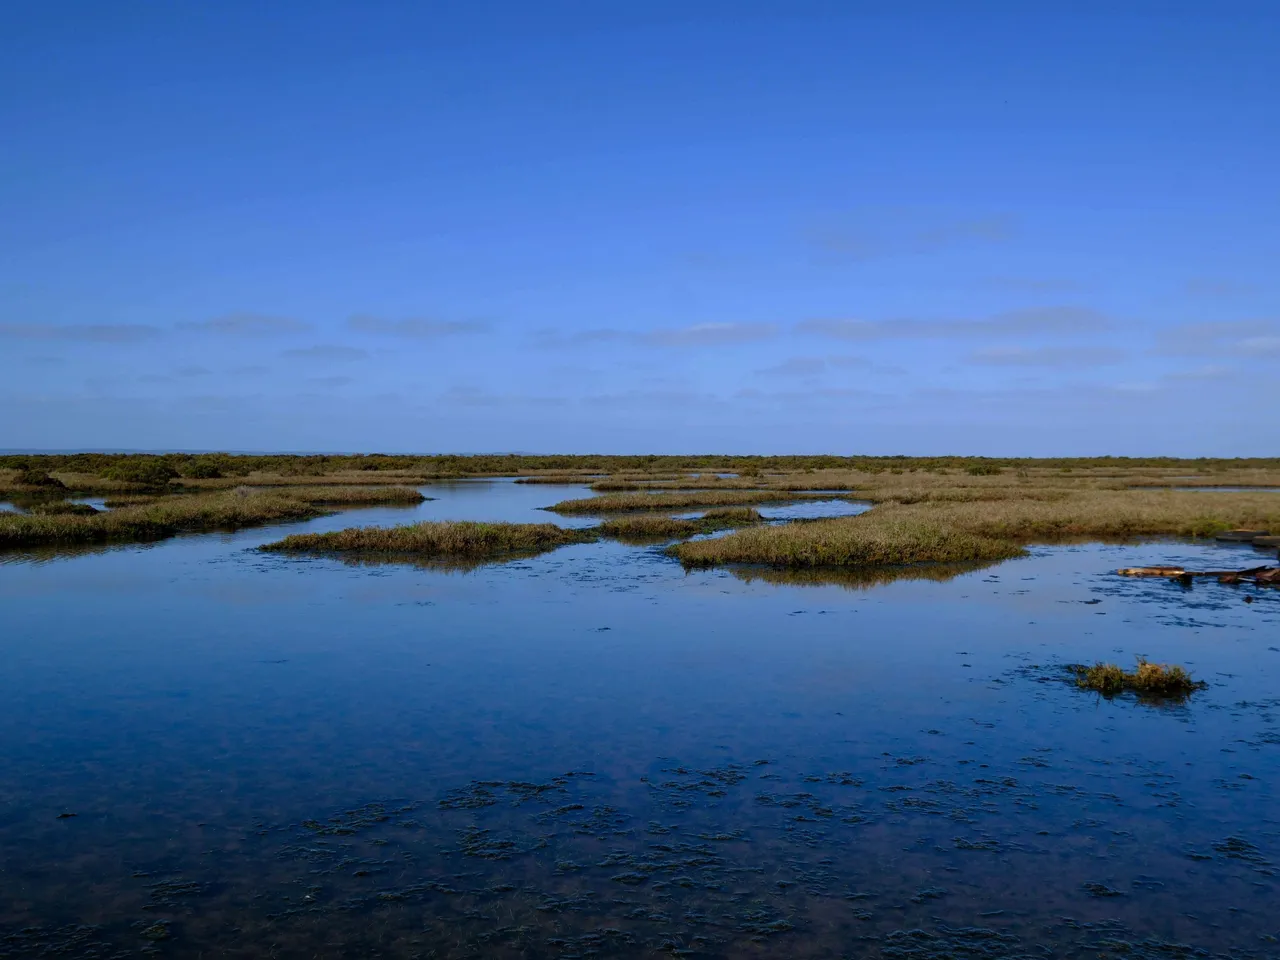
(592, 753)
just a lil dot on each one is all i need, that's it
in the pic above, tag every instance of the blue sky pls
(994, 228)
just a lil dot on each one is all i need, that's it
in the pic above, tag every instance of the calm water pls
(594, 754)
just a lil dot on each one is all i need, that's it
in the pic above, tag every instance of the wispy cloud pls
(1029, 322)
(1249, 339)
(471, 396)
(82, 332)
(414, 328)
(697, 335)
(326, 351)
(813, 366)
(194, 371)
(246, 325)
(1047, 356)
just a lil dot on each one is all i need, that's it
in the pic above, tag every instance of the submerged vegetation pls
(437, 540)
(1149, 680)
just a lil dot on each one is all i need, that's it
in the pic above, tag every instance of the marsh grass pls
(947, 531)
(651, 529)
(633, 502)
(1149, 680)
(55, 508)
(437, 540)
(155, 521)
(353, 495)
(846, 542)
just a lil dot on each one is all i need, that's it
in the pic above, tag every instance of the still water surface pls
(592, 753)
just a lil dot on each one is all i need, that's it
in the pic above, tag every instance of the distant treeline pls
(153, 467)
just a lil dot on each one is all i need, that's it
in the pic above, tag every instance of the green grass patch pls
(464, 541)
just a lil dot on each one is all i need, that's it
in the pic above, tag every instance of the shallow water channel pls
(209, 751)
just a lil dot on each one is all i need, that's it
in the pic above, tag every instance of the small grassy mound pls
(62, 508)
(355, 495)
(155, 521)
(1150, 680)
(38, 479)
(438, 540)
(650, 529)
(867, 540)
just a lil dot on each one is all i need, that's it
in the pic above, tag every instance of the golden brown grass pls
(945, 531)
(627, 502)
(354, 495)
(1149, 680)
(135, 518)
(438, 540)
(846, 542)
(154, 521)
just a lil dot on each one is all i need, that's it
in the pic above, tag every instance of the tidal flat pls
(216, 751)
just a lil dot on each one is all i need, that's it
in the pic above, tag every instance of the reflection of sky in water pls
(193, 702)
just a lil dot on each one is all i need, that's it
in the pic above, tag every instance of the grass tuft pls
(1150, 680)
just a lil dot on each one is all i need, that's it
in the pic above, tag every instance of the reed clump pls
(1148, 680)
(627, 502)
(437, 540)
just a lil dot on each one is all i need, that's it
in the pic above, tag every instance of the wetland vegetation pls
(649, 529)
(437, 540)
(606, 755)
(160, 517)
(1148, 680)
